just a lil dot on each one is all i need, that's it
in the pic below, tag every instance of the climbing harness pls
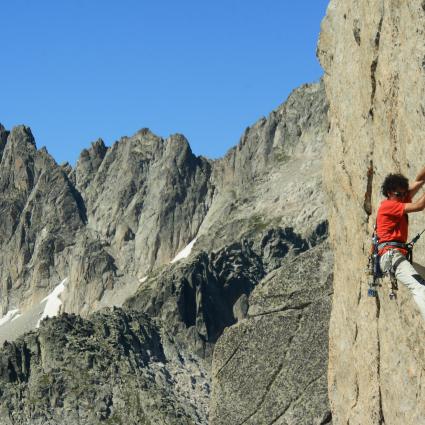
(374, 267)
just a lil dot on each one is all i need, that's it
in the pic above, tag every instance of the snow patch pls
(10, 315)
(18, 315)
(185, 252)
(143, 279)
(53, 302)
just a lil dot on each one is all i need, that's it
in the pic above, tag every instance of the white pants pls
(407, 275)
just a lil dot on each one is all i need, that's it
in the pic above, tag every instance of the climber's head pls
(395, 184)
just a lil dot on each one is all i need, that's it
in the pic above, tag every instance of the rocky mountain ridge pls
(134, 205)
(130, 209)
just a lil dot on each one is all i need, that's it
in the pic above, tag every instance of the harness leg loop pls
(393, 280)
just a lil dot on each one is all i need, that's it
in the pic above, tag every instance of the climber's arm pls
(419, 205)
(417, 184)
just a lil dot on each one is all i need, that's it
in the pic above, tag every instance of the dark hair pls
(394, 182)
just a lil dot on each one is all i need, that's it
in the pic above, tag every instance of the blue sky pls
(77, 70)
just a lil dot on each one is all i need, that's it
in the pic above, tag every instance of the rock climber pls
(392, 231)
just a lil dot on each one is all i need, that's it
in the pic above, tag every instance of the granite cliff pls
(373, 55)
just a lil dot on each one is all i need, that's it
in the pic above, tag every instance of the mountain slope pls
(243, 222)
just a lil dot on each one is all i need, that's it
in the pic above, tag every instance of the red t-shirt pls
(392, 223)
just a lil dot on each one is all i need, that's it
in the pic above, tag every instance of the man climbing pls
(392, 230)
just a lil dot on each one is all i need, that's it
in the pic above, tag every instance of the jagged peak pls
(178, 138)
(47, 158)
(22, 134)
(179, 145)
(294, 100)
(299, 93)
(145, 131)
(66, 167)
(3, 137)
(20, 142)
(99, 149)
(99, 144)
(144, 135)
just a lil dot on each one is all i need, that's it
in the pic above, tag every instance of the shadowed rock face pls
(204, 291)
(272, 366)
(112, 224)
(112, 368)
(3, 137)
(373, 56)
(198, 299)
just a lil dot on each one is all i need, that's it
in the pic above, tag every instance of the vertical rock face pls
(373, 56)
